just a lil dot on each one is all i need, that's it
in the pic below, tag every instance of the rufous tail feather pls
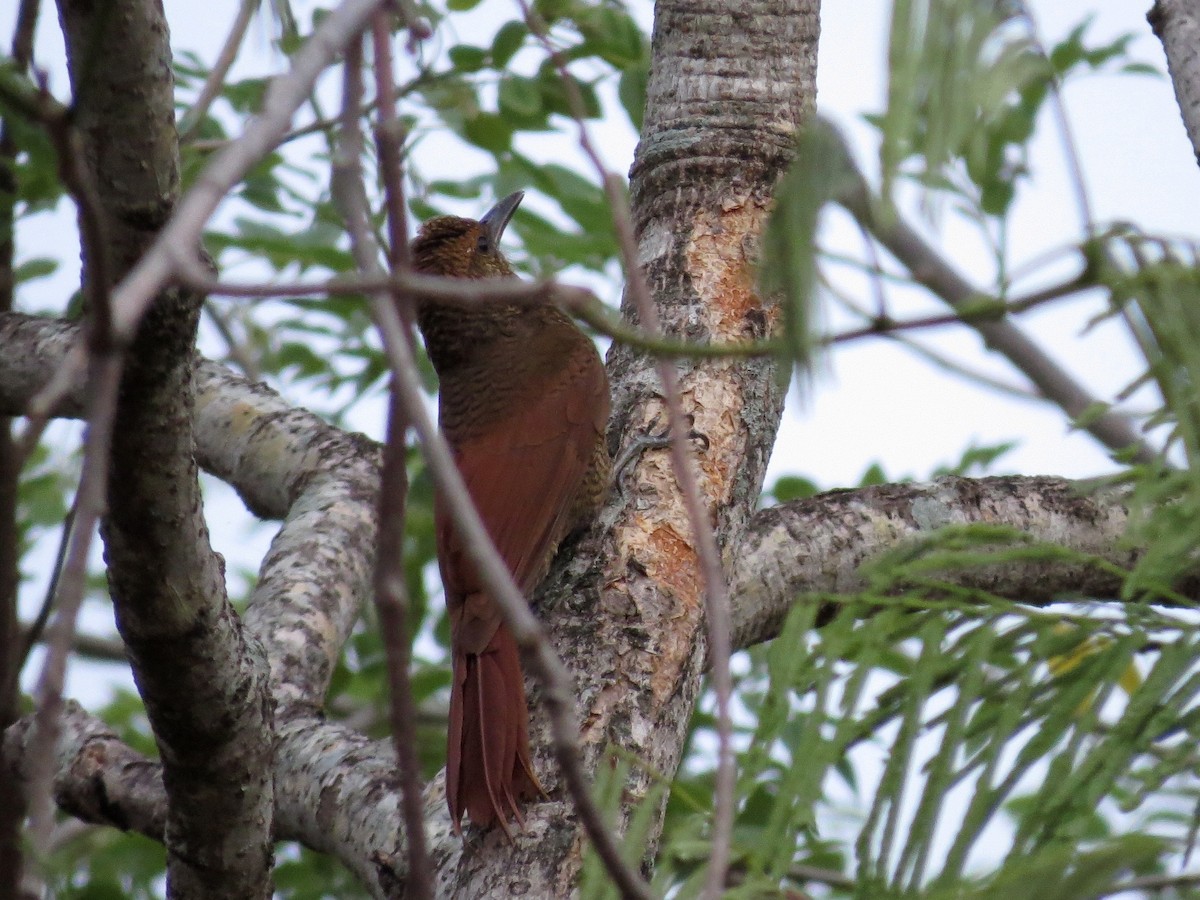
(488, 767)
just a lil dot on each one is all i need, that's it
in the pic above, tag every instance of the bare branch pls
(1151, 883)
(579, 302)
(326, 774)
(204, 686)
(104, 369)
(173, 252)
(391, 595)
(935, 273)
(801, 551)
(12, 801)
(1177, 25)
(192, 119)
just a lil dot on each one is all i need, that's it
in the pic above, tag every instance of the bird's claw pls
(649, 439)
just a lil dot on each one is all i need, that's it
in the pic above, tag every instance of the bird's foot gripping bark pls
(650, 440)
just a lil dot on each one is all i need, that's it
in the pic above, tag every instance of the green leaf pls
(461, 5)
(792, 487)
(631, 90)
(873, 475)
(507, 42)
(580, 198)
(1139, 68)
(467, 58)
(488, 131)
(38, 267)
(555, 98)
(555, 247)
(520, 96)
(246, 96)
(976, 458)
(611, 34)
(453, 98)
(551, 10)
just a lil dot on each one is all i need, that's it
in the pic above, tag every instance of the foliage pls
(928, 740)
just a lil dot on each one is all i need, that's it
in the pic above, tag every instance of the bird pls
(523, 403)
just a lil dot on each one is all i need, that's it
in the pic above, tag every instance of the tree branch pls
(203, 684)
(797, 552)
(336, 791)
(1177, 25)
(391, 593)
(930, 269)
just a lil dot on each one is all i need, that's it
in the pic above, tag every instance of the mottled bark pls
(1177, 24)
(795, 552)
(336, 791)
(624, 606)
(12, 805)
(626, 610)
(203, 684)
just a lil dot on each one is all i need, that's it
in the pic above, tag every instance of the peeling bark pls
(624, 608)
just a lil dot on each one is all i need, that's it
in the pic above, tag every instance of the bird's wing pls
(523, 472)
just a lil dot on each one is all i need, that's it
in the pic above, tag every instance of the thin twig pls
(585, 306)
(717, 613)
(389, 142)
(104, 363)
(38, 625)
(418, 28)
(194, 117)
(48, 693)
(1066, 135)
(578, 301)
(93, 646)
(936, 274)
(981, 309)
(527, 631)
(22, 42)
(423, 77)
(12, 800)
(966, 372)
(1150, 883)
(237, 353)
(77, 179)
(391, 595)
(935, 357)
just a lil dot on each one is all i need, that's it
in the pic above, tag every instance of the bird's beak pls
(496, 219)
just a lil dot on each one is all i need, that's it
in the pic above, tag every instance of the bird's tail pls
(487, 759)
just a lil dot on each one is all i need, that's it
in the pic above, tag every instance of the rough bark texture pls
(722, 121)
(626, 611)
(1177, 24)
(729, 87)
(12, 805)
(336, 791)
(798, 551)
(203, 684)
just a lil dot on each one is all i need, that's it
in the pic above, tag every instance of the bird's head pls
(465, 248)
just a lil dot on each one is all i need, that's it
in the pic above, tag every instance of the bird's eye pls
(483, 244)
